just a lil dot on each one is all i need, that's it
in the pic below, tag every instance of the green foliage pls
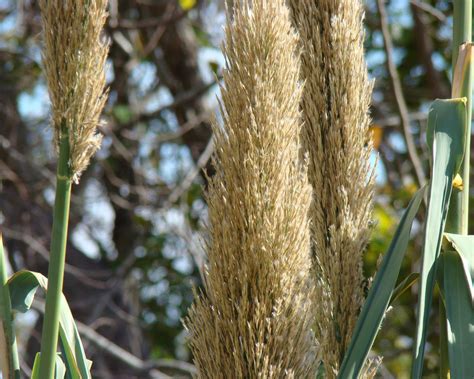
(59, 372)
(458, 265)
(10, 368)
(404, 286)
(446, 139)
(122, 113)
(23, 286)
(379, 295)
(464, 246)
(187, 4)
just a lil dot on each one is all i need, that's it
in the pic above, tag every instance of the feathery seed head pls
(254, 319)
(74, 58)
(336, 135)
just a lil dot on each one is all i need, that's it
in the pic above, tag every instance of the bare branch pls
(429, 9)
(191, 176)
(400, 99)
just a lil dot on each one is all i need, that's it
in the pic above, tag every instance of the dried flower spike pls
(254, 320)
(74, 58)
(336, 136)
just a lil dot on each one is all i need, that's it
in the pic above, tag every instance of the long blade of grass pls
(379, 294)
(404, 285)
(446, 136)
(460, 315)
(444, 371)
(464, 246)
(23, 286)
(459, 299)
(9, 364)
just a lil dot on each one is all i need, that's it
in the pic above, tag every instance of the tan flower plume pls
(74, 58)
(336, 136)
(254, 319)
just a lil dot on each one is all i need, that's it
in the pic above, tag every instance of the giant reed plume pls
(74, 58)
(335, 105)
(74, 64)
(255, 316)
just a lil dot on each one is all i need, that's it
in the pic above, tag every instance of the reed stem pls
(462, 33)
(49, 339)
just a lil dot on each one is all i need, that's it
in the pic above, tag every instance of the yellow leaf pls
(377, 134)
(411, 188)
(187, 4)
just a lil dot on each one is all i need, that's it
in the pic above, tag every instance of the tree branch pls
(398, 92)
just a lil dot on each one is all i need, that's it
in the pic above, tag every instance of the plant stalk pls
(462, 33)
(49, 338)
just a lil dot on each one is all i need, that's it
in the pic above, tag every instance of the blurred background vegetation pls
(137, 216)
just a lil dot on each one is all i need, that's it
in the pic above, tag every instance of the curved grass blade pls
(464, 246)
(458, 287)
(379, 295)
(446, 136)
(23, 286)
(404, 285)
(9, 364)
(460, 316)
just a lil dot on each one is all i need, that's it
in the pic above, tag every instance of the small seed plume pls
(74, 58)
(254, 319)
(335, 105)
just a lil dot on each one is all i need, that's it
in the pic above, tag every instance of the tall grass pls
(274, 302)
(73, 57)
